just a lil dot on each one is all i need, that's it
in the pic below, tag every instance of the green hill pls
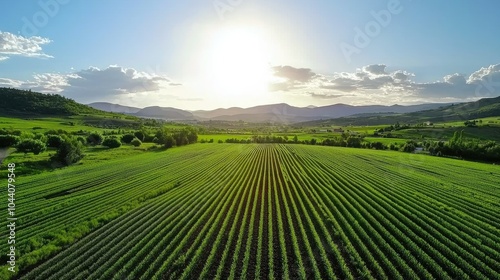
(15, 102)
(486, 107)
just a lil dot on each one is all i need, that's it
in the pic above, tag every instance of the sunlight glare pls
(238, 63)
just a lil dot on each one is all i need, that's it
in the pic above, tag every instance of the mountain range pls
(280, 113)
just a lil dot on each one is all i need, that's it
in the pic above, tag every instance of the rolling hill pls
(280, 113)
(15, 102)
(486, 107)
(115, 108)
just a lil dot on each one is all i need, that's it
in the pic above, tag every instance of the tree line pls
(70, 146)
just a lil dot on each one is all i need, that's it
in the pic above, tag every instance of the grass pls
(28, 164)
(69, 124)
(230, 210)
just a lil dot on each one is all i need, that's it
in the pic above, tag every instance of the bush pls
(169, 142)
(54, 141)
(111, 143)
(31, 146)
(8, 141)
(148, 138)
(69, 152)
(127, 138)
(136, 142)
(377, 145)
(139, 135)
(94, 139)
(409, 147)
(81, 140)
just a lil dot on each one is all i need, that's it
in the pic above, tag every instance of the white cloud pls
(11, 44)
(290, 77)
(114, 80)
(94, 84)
(374, 82)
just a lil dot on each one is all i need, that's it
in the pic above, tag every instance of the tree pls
(81, 140)
(94, 139)
(354, 142)
(377, 145)
(70, 151)
(111, 143)
(409, 147)
(127, 138)
(8, 141)
(54, 141)
(139, 135)
(168, 141)
(31, 146)
(136, 142)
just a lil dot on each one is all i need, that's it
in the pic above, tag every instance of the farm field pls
(262, 211)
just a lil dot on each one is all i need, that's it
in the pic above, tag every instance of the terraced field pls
(262, 211)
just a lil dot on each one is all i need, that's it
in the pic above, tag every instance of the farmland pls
(268, 211)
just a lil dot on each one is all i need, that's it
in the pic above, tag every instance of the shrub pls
(136, 142)
(127, 138)
(8, 141)
(69, 152)
(31, 146)
(139, 135)
(81, 140)
(169, 142)
(94, 139)
(111, 143)
(54, 141)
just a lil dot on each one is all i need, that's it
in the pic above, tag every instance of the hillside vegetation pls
(15, 102)
(487, 107)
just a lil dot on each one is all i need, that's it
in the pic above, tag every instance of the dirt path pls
(3, 154)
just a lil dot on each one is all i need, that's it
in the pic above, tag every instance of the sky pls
(208, 54)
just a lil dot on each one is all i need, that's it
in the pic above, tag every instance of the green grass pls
(43, 124)
(223, 137)
(385, 141)
(481, 133)
(260, 211)
(28, 164)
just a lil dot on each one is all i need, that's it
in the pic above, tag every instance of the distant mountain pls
(22, 102)
(486, 107)
(280, 113)
(166, 113)
(289, 114)
(115, 108)
(155, 112)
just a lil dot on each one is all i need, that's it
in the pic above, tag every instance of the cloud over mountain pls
(374, 81)
(94, 83)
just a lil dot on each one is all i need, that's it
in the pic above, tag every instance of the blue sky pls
(221, 53)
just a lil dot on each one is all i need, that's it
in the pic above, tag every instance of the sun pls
(237, 63)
